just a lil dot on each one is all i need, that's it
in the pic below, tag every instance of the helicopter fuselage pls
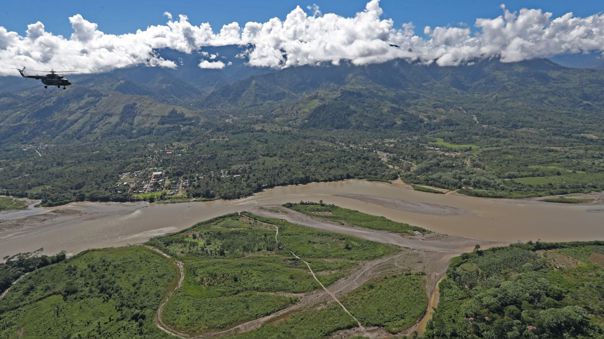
(51, 79)
(55, 81)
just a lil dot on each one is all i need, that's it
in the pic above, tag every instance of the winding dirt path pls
(158, 315)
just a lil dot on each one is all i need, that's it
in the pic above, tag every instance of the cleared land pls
(238, 270)
(387, 302)
(8, 203)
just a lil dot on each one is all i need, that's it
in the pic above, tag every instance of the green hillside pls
(111, 293)
(523, 291)
(490, 129)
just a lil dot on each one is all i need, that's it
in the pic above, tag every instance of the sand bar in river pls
(79, 226)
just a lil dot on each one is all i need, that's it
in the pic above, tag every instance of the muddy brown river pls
(79, 226)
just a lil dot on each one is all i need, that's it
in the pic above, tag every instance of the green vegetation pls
(523, 291)
(313, 323)
(241, 267)
(427, 189)
(489, 129)
(194, 312)
(572, 178)
(394, 302)
(110, 293)
(17, 265)
(219, 165)
(568, 200)
(440, 142)
(236, 270)
(8, 203)
(353, 218)
(151, 196)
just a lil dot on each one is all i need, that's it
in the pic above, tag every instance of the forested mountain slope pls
(486, 128)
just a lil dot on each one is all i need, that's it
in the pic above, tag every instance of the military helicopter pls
(50, 79)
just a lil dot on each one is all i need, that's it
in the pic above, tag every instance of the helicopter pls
(50, 79)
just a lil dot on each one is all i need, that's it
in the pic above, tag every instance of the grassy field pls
(566, 179)
(317, 322)
(428, 189)
(8, 203)
(110, 293)
(441, 143)
(151, 196)
(394, 302)
(568, 200)
(236, 270)
(529, 291)
(354, 218)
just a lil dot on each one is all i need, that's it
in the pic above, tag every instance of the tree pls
(564, 322)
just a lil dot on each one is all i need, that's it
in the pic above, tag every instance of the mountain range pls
(487, 128)
(395, 95)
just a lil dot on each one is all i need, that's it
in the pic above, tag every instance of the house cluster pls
(156, 182)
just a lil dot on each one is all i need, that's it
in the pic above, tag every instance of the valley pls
(79, 226)
(340, 169)
(256, 269)
(230, 135)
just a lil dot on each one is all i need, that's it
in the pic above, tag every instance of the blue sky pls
(301, 40)
(121, 16)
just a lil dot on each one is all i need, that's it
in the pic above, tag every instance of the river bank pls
(83, 225)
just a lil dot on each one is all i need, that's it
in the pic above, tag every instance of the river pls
(79, 226)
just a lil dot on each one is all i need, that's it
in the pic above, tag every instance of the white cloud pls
(83, 30)
(307, 39)
(314, 9)
(205, 64)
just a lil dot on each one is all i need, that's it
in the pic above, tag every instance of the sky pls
(97, 36)
(122, 16)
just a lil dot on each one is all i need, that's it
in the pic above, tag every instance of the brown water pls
(79, 226)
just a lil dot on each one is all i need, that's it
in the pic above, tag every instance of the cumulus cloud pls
(307, 39)
(205, 64)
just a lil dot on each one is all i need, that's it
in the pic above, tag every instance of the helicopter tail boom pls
(22, 72)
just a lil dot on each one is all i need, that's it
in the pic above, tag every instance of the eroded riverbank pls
(79, 226)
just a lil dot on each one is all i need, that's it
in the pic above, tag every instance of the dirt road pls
(434, 250)
(429, 254)
(158, 315)
(430, 242)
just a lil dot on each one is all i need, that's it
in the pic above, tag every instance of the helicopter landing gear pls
(64, 87)
(45, 86)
